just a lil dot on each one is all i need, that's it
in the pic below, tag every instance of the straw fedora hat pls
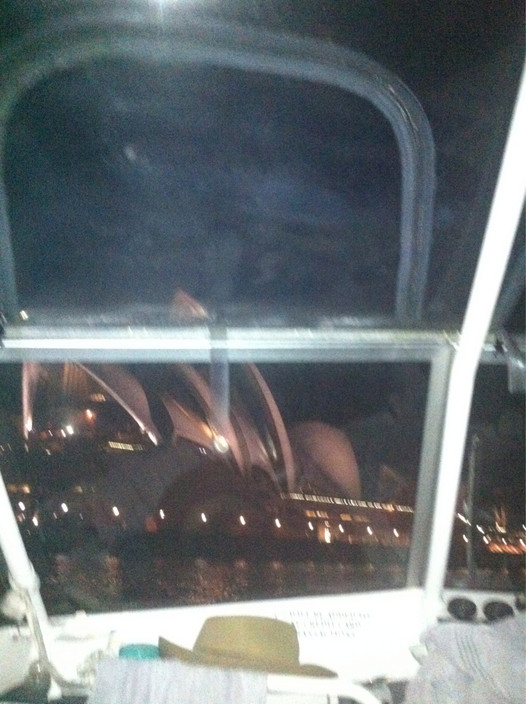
(247, 643)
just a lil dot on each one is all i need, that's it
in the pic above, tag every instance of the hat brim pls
(217, 659)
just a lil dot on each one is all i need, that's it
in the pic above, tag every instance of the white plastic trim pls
(496, 248)
(330, 688)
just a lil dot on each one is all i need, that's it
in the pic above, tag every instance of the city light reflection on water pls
(105, 582)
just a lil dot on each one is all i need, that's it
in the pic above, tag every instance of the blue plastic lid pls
(139, 651)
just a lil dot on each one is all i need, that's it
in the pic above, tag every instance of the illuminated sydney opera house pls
(172, 452)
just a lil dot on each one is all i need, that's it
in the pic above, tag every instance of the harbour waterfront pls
(106, 582)
(153, 575)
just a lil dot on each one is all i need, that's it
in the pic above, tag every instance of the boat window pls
(489, 546)
(215, 181)
(187, 206)
(309, 485)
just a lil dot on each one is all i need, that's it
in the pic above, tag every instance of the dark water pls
(144, 578)
(106, 582)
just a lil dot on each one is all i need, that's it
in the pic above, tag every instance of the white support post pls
(22, 573)
(498, 241)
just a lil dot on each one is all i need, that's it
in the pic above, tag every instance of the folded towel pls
(123, 681)
(472, 664)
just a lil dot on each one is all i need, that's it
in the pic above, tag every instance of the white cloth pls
(472, 664)
(126, 681)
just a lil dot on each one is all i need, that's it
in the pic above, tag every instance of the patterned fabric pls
(472, 664)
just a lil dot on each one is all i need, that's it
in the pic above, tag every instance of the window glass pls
(307, 487)
(490, 533)
(252, 193)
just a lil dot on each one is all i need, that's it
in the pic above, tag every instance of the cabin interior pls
(262, 353)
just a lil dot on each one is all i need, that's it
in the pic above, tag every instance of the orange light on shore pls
(502, 548)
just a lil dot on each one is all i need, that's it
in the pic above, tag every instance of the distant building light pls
(64, 507)
(396, 533)
(69, 429)
(35, 521)
(465, 538)
(221, 444)
(311, 527)
(89, 414)
(369, 530)
(29, 424)
(161, 514)
(204, 518)
(277, 522)
(115, 511)
(21, 506)
(242, 520)
(480, 529)
(97, 397)
(327, 535)
(127, 446)
(340, 527)
(19, 488)
(24, 315)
